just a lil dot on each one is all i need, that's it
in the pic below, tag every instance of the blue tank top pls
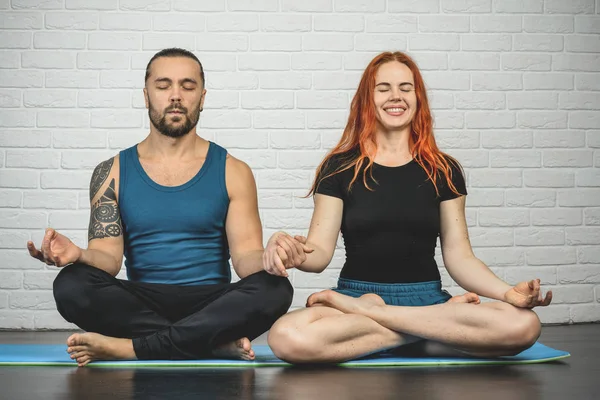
(175, 234)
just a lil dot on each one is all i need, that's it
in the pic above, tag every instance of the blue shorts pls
(397, 294)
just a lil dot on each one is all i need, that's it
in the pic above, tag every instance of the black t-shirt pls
(390, 233)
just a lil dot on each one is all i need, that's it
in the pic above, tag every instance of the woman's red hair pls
(359, 134)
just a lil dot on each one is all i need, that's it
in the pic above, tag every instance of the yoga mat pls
(56, 355)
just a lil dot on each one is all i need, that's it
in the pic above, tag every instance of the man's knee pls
(71, 289)
(277, 290)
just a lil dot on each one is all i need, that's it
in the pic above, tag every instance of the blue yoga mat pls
(56, 355)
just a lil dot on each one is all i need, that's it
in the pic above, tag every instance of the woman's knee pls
(524, 329)
(289, 344)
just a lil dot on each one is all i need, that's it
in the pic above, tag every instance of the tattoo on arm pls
(105, 219)
(99, 176)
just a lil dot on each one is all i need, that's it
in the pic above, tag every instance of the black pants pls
(170, 321)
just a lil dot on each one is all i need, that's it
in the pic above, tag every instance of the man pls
(176, 206)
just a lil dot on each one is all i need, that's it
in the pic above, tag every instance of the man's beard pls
(169, 129)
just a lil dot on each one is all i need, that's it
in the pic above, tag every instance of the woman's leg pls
(489, 329)
(324, 334)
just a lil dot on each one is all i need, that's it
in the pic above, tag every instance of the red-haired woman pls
(392, 192)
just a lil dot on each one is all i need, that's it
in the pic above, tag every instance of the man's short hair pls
(174, 52)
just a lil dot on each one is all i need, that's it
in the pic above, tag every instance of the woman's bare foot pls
(343, 303)
(240, 349)
(86, 347)
(466, 298)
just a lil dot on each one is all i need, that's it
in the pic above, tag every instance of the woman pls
(391, 191)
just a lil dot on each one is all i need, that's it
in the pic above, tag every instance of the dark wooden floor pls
(576, 378)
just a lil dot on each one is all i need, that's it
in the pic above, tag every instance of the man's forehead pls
(175, 67)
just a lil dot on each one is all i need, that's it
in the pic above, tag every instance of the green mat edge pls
(126, 364)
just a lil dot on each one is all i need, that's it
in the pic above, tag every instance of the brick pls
(532, 100)
(497, 81)
(542, 119)
(287, 23)
(295, 140)
(413, 6)
(570, 7)
(285, 80)
(20, 219)
(501, 256)
(551, 256)
(485, 198)
(11, 239)
(547, 178)
(32, 159)
(114, 41)
(9, 59)
(327, 42)
(178, 22)
(433, 41)
(588, 177)
(306, 5)
(62, 119)
(466, 6)
(548, 24)
(587, 81)
(279, 119)
(194, 5)
(9, 198)
(515, 159)
(280, 179)
(472, 158)
(321, 100)
(16, 319)
(458, 139)
(490, 119)
(431, 61)
(21, 20)
(268, 100)
(548, 81)
(365, 6)
(547, 275)
(264, 62)
(37, 300)
(577, 236)
(78, 139)
(122, 139)
(381, 23)
(339, 23)
(243, 139)
(287, 219)
(72, 79)
(43, 280)
(91, 4)
(587, 24)
(441, 100)
(71, 20)
(585, 313)
(588, 255)
(358, 61)
(559, 139)
(576, 62)
(222, 42)
(65, 179)
(493, 178)
(10, 98)
(582, 43)
(49, 99)
(449, 23)
(238, 81)
(103, 60)
(474, 61)
(579, 274)
(47, 59)
(579, 101)
(159, 41)
(512, 139)
(584, 120)
(528, 42)
(491, 237)
(335, 80)
(326, 119)
(568, 158)
(47, 199)
(256, 159)
(62, 220)
(316, 62)
(36, 4)
(121, 79)
(78, 159)
(539, 236)
(496, 23)
(519, 6)
(145, 5)
(59, 40)
(579, 198)
(593, 139)
(226, 119)
(503, 217)
(15, 40)
(526, 62)
(300, 159)
(446, 80)
(556, 217)
(17, 118)
(232, 23)
(486, 42)
(219, 62)
(218, 100)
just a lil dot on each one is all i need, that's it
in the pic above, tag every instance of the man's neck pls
(159, 146)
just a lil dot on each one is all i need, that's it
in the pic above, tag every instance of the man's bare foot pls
(343, 303)
(466, 298)
(86, 347)
(240, 349)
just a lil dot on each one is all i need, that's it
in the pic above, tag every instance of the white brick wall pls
(514, 87)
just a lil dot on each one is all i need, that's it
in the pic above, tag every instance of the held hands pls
(284, 252)
(527, 295)
(56, 249)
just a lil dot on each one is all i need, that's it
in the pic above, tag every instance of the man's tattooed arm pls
(105, 218)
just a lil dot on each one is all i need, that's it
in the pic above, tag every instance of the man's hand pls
(527, 295)
(56, 249)
(284, 252)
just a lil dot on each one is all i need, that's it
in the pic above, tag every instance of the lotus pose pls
(392, 192)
